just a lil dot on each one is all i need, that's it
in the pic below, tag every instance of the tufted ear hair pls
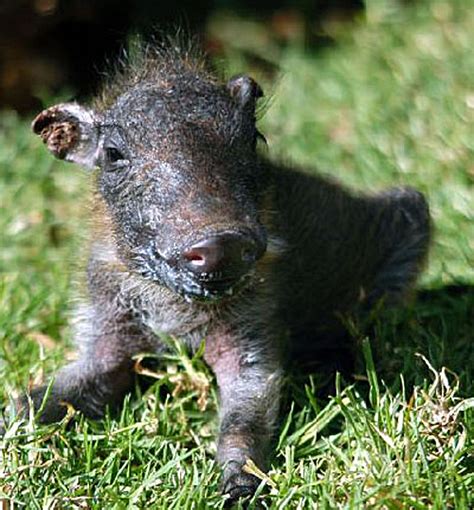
(70, 132)
(245, 90)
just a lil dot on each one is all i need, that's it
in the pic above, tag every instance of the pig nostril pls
(196, 260)
(228, 254)
(195, 257)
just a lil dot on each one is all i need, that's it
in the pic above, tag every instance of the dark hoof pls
(239, 486)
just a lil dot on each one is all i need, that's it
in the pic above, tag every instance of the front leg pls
(248, 376)
(85, 385)
(102, 375)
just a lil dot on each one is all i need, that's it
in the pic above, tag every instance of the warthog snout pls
(222, 259)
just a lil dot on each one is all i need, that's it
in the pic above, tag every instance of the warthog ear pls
(244, 90)
(70, 132)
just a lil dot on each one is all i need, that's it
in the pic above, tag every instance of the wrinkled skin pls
(178, 174)
(181, 181)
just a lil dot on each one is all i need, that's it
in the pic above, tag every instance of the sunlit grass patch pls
(390, 104)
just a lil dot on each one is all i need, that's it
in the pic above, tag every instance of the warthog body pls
(196, 235)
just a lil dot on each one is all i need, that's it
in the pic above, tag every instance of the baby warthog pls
(198, 236)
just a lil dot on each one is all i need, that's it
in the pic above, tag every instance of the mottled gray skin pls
(174, 152)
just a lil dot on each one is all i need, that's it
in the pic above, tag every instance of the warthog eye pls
(113, 155)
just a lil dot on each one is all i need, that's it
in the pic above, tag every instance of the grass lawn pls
(392, 103)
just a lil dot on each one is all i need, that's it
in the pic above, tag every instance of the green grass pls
(392, 103)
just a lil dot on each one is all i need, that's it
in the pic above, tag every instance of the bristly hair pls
(163, 60)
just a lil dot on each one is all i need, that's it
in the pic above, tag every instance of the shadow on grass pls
(439, 325)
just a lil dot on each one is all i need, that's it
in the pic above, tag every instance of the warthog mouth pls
(210, 288)
(217, 266)
(204, 288)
